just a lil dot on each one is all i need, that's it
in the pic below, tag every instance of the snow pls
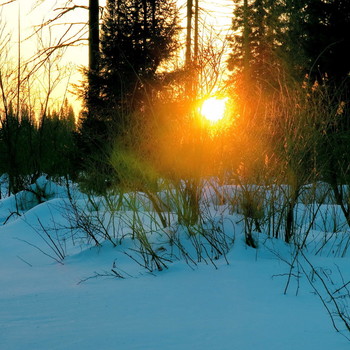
(46, 304)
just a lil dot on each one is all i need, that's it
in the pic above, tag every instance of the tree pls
(189, 8)
(94, 37)
(94, 55)
(320, 28)
(136, 37)
(256, 44)
(298, 37)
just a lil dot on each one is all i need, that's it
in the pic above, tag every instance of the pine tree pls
(324, 38)
(256, 43)
(136, 37)
(298, 37)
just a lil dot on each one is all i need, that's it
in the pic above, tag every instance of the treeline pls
(297, 38)
(288, 82)
(290, 71)
(30, 147)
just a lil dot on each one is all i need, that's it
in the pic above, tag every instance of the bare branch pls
(63, 12)
(39, 2)
(8, 2)
(48, 52)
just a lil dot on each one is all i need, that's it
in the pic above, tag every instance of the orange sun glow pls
(213, 109)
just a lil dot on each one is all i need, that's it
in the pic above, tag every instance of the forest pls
(196, 154)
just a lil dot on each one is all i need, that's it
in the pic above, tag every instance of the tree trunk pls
(196, 32)
(94, 38)
(94, 43)
(246, 39)
(189, 32)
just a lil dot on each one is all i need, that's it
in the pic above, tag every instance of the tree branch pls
(8, 2)
(63, 12)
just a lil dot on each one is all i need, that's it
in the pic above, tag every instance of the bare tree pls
(73, 34)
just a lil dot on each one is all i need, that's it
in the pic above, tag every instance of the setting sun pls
(213, 109)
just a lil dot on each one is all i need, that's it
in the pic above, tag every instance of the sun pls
(213, 109)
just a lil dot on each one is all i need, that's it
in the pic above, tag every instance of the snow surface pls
(46, 305)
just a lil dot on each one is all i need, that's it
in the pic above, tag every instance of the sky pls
(216, 15)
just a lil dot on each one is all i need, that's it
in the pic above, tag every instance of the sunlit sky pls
(215, 14)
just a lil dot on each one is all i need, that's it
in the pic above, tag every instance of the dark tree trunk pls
(189, 30)
(246, 40)
(94, 58)
(94, 38)
(196, 32)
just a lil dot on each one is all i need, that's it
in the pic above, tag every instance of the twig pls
(26, 262)
(105, 274)
(36, 247)
(339, 313)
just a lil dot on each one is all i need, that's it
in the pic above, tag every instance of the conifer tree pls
(136, 37)
(299, 37)
(256, 44)
(321, 30)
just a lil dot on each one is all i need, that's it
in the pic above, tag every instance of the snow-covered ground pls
(51, 305)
